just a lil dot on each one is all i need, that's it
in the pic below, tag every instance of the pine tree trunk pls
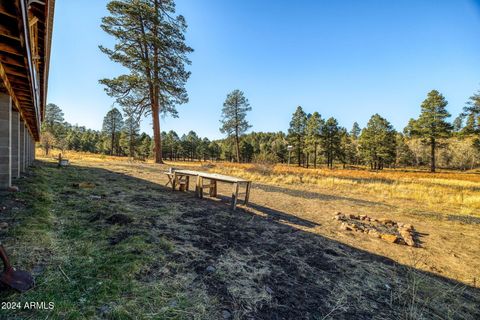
(299, 158)
(237, 146)
(112, 143)
(432, 154)
(156, 133)
(315, 157)
(307, 155)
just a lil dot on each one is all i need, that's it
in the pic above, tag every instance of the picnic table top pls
(215, 176)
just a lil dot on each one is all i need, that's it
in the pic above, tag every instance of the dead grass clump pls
(208, 165)
(420, 296)
(242, 280)
(263, 169)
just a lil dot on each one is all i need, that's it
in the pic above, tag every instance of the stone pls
(363, 216)
(408, 227)
(374, 233)
(345, 227)
(339, 217)
(210, 269)
(389, 237)
(352, 216)
(386, 221)
(13, 189)
(407, 237)
(3, 225)
(338, 213)
(226, 314)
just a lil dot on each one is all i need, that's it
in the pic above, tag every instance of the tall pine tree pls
(234, 114)
(378, 143)
(112, 126)
(150, 44)
(331, 140)
(296, 132)
(313, 134)
(431, 126)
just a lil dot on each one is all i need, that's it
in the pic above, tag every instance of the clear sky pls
(347, 59)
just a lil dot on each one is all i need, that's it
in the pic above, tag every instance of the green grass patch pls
(84, 274)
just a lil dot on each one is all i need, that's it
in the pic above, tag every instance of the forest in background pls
(312, 140)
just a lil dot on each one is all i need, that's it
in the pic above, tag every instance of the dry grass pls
(448, 192)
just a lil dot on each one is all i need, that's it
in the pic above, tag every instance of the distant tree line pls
(429, 140)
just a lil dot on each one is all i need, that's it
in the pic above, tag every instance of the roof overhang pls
(25, 42)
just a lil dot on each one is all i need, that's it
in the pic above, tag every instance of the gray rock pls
(210, 269)
(226, 314)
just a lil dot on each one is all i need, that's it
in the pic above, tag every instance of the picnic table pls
(181, 178)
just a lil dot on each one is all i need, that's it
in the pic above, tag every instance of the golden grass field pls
(450, 192)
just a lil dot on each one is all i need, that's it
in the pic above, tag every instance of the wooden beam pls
(10, 49)
(11, 61)
(6, 11)
(11, 93)
(13, 72)
(7, 32)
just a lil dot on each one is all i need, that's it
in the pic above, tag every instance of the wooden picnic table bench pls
(182, 179)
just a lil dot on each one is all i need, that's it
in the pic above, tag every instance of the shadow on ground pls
(254, 266)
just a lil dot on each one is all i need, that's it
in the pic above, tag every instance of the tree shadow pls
(259, 267)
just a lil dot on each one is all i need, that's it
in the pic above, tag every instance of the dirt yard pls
(110, 240)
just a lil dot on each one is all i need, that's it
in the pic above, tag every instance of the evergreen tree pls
(472, 112)
(131, 130)
(404, 155)
(112, 126)
(234, 113)
(53, 116)
(54, 125)
(145, 146)
(214, 150)
(378, 143)
(458, 124)
(432, 125)
(355, 132)
(330, 141)
(296, 132)
(151, 45)
(313, 134)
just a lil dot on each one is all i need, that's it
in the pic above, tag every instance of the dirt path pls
(131, 248)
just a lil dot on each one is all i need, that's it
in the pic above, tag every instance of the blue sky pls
(347, 59)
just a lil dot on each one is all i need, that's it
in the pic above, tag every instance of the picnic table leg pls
(213, 188)
(247, 193)
(234, 195)
(187, 183)
(199, 187)
(174, 181)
